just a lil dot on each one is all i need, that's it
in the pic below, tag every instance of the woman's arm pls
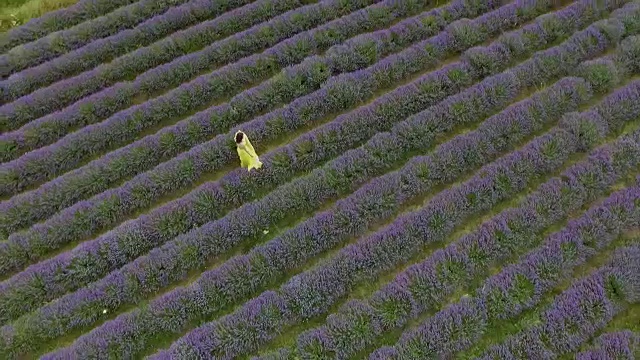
(249, 148)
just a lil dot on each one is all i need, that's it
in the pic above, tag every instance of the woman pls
(248, 157)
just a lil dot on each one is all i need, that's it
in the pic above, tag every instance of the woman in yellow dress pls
(248, 157)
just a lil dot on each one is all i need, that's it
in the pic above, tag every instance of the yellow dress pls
(248, 157)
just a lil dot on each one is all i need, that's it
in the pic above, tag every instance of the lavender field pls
(440, 180)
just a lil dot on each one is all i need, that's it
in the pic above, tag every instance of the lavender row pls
(522, 286)
(239, 186)
(127, 125)
(268, 261)
(187, 213)
(236, 16)
(59, 43)
(256, 327)
(374, 202)
(621, 345)
(163, 76)
(337, 90)
(585, 308)
(414, 291)
(32, 136)
(55, 194)
(49, 233)
(212, 200)
(58, 20)
(102, 50)
(313, 292)
(195, 129)
(26, 208)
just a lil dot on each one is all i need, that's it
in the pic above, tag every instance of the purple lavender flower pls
(424, 286)
(56, 44)
(58, 20)
(434, 221)
(577, 313)
(613, 345)
(99, 50)
(311, 293)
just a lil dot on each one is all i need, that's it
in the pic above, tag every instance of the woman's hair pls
(239, 137)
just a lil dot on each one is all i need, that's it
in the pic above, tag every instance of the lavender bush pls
(59, 43)
(585, 308)
(622, 345)
(382, 112)
(86, 57)
(58, 20)
(521, 286)
(424, 286)
(288, 52)
(163, 75)
(170, 173)
(331, 227)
